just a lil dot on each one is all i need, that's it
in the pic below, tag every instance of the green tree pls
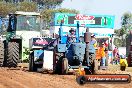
(127, 20)
(50, 4)
(6, 8)
(117, 32)
(126, 26)
(27, 6)
(117, 42)
(47, 14)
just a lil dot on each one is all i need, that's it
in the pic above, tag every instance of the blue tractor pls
(73, 55)
(66, 55)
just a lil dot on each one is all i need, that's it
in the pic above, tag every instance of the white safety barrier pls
(48, 60)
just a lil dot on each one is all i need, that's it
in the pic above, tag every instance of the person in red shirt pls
(115, 54)
(106, 43)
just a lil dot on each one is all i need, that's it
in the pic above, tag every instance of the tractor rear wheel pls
(1, 53)
(12, 54)
(64, 66)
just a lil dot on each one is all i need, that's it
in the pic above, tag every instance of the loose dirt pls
(19, 78)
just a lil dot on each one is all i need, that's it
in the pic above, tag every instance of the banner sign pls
(95, 21)
(102, 35)
(41, 41)
(101, 78)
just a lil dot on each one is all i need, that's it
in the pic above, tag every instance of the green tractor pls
(22, 26)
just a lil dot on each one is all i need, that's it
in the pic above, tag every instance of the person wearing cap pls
(93, 41)
(72, 36)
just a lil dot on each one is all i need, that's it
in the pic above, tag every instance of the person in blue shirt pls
(93, 41)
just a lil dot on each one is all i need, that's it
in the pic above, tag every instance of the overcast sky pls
(101, 7)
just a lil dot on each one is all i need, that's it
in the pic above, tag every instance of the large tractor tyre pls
(32, 66)
(64, 68)
(12, 54)
(1, 53)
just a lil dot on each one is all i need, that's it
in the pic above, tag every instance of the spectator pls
(123, 63)
(93, 41)
(107, 57)
(103, 55)
(106, 43)
(117, 58)
(115, 54)
(114, 51)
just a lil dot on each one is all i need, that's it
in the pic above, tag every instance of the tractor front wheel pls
(81, 80)
(64, 66)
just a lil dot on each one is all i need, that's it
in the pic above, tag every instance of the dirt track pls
(13, 78)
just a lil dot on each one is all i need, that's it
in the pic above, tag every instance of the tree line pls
(45, 7)
(8, 6)
(123, 32)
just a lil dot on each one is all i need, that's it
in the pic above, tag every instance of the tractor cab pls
(27, 26)
(22, 26)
